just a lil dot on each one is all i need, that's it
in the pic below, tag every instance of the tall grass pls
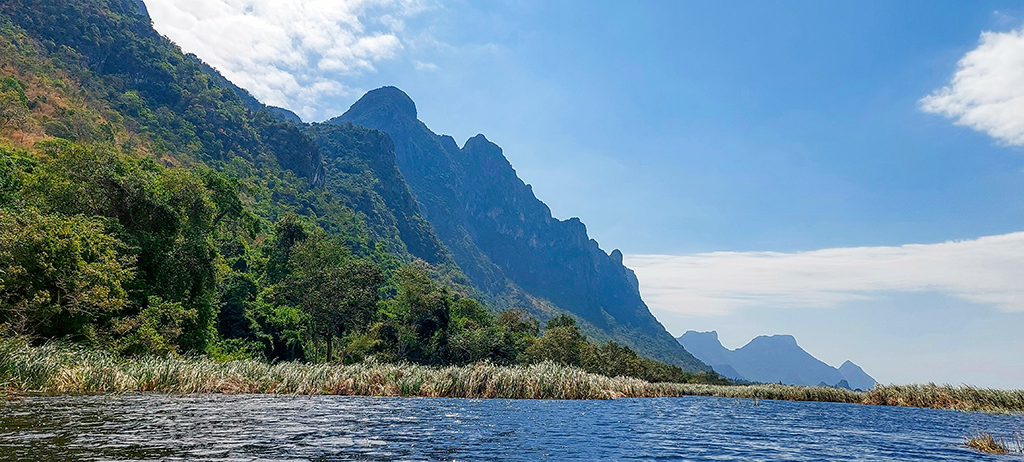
(69, 369)
(962, 398)
(66, 369)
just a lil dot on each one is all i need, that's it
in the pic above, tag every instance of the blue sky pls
(712, 132)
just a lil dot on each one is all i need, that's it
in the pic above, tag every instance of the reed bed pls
(65, 369)
(56, 369)
(962, 398)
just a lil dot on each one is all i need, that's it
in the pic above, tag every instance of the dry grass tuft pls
(984, 442)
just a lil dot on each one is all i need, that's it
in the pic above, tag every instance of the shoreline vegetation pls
(66, 369)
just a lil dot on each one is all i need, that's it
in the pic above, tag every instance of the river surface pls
(327, 428)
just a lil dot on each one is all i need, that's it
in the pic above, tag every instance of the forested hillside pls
(148, 206)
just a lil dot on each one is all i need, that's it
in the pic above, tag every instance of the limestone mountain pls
(360, 170)
(772, 359)
(94, 75)
(505, 239)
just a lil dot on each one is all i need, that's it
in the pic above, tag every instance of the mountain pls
(96, 74)
(505, 239)
(772, 359)
(706, 347)
(778, 358)
(856, 376)
(284, 114)
(360, 170)
(109, 128)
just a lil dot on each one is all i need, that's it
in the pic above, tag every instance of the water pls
(328, 428)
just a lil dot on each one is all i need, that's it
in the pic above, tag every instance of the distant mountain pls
(772, 359)
(706, 347)
(505, 239)
(856, 376)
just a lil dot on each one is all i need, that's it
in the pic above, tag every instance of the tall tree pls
(337, 291)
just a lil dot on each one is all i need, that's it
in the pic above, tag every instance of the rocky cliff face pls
(431, 171)
(504, 238)
(292, 148)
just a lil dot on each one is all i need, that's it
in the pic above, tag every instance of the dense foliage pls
(114, 250)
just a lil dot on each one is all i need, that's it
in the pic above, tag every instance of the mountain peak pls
(141, 8)
(770, 359)
(777, 339)
(856, 376)
(481, 147)
(706, 347)
(384, 101)
(711, 334)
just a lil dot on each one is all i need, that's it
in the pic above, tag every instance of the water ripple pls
(332, 428)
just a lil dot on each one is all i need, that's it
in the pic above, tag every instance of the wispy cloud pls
(987, 91)
(424, 66)
(989, 270)
(288, 53)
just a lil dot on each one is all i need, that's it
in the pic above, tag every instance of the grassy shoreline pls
(63, 369)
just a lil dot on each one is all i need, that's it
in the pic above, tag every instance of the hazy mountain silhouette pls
(772, 359)
(856, 376)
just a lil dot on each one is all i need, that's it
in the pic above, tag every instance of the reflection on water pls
(327, 428)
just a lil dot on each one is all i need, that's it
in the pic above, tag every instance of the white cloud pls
(989, 270)
(424, 66)
(987, 90)
(288, 53)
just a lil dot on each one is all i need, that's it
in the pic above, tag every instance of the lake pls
(328, 428)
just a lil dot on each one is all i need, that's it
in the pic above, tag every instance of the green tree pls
(417, 317)
(60, 276)
(13, 164)
(167, 216)
(13, 104)
(155, 330)
(339, 293)
(562, 342)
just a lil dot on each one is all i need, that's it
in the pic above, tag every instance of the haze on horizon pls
(848, 173)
